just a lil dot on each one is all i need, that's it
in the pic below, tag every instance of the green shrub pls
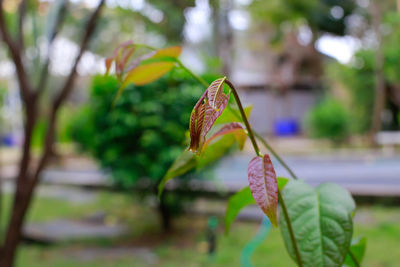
(144, 132)
(329, 119)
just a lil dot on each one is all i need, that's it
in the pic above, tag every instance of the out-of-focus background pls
(324, 81)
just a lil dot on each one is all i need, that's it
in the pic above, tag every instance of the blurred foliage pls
(316, 13)
(145, 131)
(2, 99)
(357, 77)
(358, 81)
(329, 119)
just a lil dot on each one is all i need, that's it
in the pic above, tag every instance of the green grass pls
(186, 245)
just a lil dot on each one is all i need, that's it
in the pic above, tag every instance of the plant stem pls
(354, 259)
(276, 155)
(290, 227)
(201, 80)
(244, 118)
(269, 148)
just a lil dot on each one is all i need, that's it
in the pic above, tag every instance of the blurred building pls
(281, 84)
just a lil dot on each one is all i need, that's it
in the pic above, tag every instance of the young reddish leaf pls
(148, 73)
(242, 199)
(118, 53)
(213, 114)
(234, 128)
(173, 51)
(216, 93)
(263, 186)
(124, 54)
(108, 62)
(201, 122)
(197, 124)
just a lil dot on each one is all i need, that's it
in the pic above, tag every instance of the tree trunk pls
(14, 230)
(23, 192)
(164, 213)
(379, 100)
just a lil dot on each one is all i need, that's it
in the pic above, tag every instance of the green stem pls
(244, 118)
(269, 148)
(354, 259)
(276, 155)
(201, 80)
(290, 227)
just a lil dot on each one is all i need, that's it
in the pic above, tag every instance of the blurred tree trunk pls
(29, 172)
(379, 99)
(165, 214)
(222, 34)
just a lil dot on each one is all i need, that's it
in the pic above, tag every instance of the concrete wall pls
(267, 107)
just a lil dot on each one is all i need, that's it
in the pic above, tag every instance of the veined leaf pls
(184, 163)
(242, 199)
(263, 186)
(201, 123)
(119, 52)
(236, 203)
(234, 128)
(196, 126)
(322, 222)
(148, 73)
(216, 93)
(213, 114)
(188, 161)
(215, 151)
(173, 51)
(356, 252)
(145, 74)
(122, 59)
(229, 115)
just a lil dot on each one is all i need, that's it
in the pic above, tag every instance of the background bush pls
(329, 119)
(144, 132)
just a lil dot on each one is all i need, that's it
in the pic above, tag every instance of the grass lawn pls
(186, 245)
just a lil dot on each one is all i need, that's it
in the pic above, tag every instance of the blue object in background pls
(286, 127)
(8, 140)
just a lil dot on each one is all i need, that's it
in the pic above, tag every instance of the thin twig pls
(21, 17)
(90, 28)
(60, 15)
(244, 118)
(276, 155)
(66, 89)
(16, 57)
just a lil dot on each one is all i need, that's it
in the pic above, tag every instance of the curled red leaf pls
(204, 115)
(197, 124)
(216, 93)
(234, 128)
(263, 186)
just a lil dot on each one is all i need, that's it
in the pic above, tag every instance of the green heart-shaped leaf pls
(321, 220)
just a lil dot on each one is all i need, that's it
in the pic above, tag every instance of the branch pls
(16, 57)
(66, 89)
(60, 15)
(90, 28)
(21, 17)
